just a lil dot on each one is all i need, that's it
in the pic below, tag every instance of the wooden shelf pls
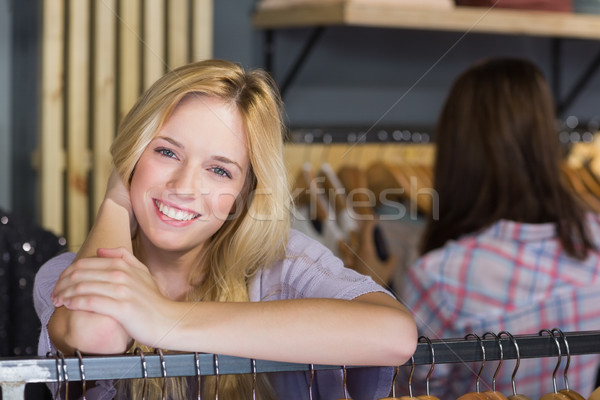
(385, 14)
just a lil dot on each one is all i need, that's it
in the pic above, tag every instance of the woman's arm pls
(88, 331)
(373, 329)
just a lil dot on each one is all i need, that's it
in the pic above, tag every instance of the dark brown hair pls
(498, 157)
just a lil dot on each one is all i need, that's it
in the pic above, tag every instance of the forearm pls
(321, 331)
(87, 332)
(110, 230)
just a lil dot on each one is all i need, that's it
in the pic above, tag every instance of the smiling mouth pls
(175, 213)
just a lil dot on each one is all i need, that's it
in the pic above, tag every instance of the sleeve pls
(310, 270)
(45, 280)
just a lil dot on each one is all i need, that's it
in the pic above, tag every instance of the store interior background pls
(366, 78)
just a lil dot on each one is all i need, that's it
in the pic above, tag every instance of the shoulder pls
(54, 267)
(45, 280)
(301, 244)
(309, 269)
(48, 274)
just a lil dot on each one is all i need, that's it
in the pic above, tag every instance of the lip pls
(183, 217)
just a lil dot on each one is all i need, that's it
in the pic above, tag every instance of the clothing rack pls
(15, 373)
(570, 132)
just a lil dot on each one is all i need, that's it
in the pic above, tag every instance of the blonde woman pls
(213, 265)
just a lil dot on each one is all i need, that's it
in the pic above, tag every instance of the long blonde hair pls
(256, 234)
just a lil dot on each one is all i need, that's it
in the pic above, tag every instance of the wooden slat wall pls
(98, 56)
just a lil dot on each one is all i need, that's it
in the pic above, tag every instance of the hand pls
(360, 254)
(119, 193)
(116, 284)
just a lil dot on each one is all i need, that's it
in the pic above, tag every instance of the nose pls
(184, 182)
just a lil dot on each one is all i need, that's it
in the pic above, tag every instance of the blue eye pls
(222, 172)
(166, 152)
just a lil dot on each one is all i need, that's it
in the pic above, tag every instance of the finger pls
(123, 254)
(95, 303)
(100, 285)
(90, 270)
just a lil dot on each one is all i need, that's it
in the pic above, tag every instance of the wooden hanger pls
(595, 394)
(428, 396)
(355, 182)
(412, 370)
(515, 395)
(571, 394)
(382, 176)
(576, 183)
(306, 191)
(410, 376)
(335, 190)
(493, 394)
(554, 395)
(589, 180)
(477, 394)
(367, 251)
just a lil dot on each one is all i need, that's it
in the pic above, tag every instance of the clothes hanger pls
(335, 191)
(355, 183)
(477, 394)
(383, 176)
(310, 382)
(198, 376)
(393, 391)
(595, 394)
(163, 371)
(216, 364)
(574, 179)
(361, 202)
(82, 373)
(571, 394)
(428, 396)
(419, 182)
(555, 394)
(253, 379)
(345, 387)
(514, 396)
(138, 351)
(410, 392)
(589, 180)
(306, 191)
(61, 374)
(493, 394)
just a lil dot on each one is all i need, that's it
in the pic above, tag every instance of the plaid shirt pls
(513, 277)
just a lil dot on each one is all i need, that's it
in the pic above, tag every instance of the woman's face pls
(187, 179)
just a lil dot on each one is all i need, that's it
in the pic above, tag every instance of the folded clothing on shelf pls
(542, 5)
(437, 4)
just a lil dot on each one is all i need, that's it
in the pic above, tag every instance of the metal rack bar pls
(45, 369)
(16, 372)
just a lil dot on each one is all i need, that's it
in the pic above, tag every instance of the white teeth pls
(174, 213)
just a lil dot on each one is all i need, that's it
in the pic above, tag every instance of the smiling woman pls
(192, 251)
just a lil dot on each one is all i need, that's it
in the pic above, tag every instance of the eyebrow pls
(223, 159)
(172, 141)
(226, 160)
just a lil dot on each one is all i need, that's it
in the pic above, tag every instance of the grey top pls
(309, 270)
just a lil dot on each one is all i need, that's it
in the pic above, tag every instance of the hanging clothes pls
(24, 247)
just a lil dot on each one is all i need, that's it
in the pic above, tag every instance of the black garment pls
(24, 247)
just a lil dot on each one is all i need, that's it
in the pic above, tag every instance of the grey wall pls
(355, 77)
(374, 77)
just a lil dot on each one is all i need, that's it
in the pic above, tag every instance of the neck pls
(172, 270)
